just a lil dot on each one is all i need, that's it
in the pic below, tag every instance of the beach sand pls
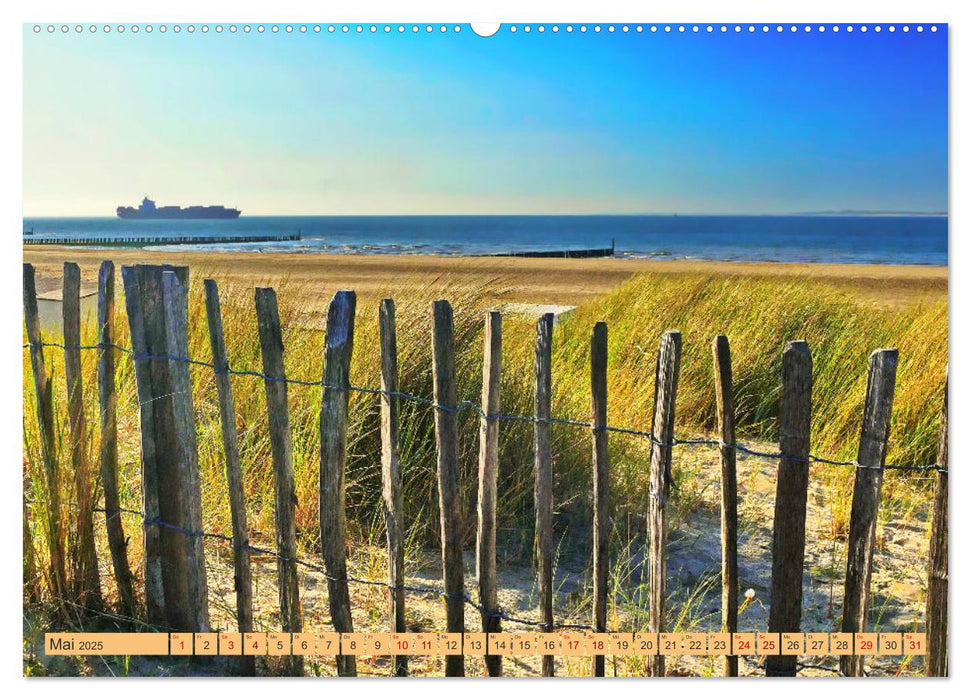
(527, 280)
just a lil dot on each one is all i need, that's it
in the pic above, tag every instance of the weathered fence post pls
(175, 289)
(87, 582)
(446, 442)
(881, 379)
(333, 458)
(601, 484)
(666, 375)
(147, 407)
(176, 589)
(488, 474)
(543, 496)
(936, 615)
(48, 450)
(391, 473)
(108, 402)
(243, 578)
(725, 399)
(278, 416)
(792, 484)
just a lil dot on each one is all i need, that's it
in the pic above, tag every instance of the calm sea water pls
(912, 240)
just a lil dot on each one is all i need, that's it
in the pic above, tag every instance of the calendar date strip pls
(479, 644)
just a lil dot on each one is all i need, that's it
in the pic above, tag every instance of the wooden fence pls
(175, 588)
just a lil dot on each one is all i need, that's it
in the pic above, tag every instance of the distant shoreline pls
(851, 213)
(219, 248)
(901, 214)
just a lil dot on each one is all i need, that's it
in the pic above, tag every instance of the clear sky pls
(514, 123)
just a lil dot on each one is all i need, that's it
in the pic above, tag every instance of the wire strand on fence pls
(471, 405)
(425, 590)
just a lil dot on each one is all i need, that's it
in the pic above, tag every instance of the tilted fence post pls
(391, 474)
(278, 416)
(937, 560)
(175, 573)
(601, 485)
(662, 431)
(175, 288)
(446, 442)
(87, 582)
(333, 458)
(725, 399)
(108, 403)
(881, 379)
(48, 448)
(132, 278)
(543, 496)
(792, 484)
(243, 577)
(488, 475)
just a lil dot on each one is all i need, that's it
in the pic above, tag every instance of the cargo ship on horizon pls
(148, 210)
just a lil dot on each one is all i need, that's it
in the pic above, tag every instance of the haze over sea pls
(873, 239)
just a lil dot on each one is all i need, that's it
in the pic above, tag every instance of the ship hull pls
(156, 216)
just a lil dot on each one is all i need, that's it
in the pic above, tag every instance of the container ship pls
(148, 210)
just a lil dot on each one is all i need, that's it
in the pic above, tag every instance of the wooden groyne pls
(582, 253)
(56, 239)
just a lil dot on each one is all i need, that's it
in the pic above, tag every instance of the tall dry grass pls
(759, 317)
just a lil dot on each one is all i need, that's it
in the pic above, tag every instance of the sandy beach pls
(532, 280)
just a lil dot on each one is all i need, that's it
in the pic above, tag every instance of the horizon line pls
(822, 212)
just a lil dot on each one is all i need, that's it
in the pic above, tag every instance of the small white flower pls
(750, 594)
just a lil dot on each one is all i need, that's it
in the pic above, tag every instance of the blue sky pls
(514, 123)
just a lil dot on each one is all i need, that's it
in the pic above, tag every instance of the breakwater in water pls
(138, 240)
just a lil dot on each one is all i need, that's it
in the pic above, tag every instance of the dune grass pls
(758, 316)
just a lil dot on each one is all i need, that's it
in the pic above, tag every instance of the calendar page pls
(513, 349)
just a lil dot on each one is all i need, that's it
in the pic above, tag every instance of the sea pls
(873, 239)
